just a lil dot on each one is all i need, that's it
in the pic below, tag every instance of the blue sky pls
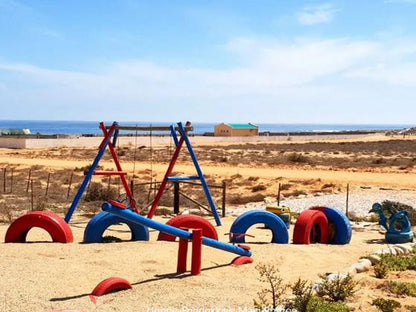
(264, 61)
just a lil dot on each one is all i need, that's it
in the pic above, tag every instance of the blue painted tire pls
(270, 220)
(96, 227)
(400, 238)
(342, 225)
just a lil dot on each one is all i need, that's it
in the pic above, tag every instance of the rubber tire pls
(111, 284)
(305, 223)
(401, 238)
(343, 230)
(269, 219)
(57, 228)
(191, 222)
(95, 229)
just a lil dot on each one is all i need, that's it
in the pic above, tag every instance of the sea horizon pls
(69, 127)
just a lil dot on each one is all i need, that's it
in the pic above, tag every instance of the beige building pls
(225, 129)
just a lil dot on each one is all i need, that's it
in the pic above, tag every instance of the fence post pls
(11, 181)
(278, 194)
(31, 195)
(176, 197)
(4, 179)
(28, 180)
(224, 192)
(47, 184)
(347, 200)
(69, 186)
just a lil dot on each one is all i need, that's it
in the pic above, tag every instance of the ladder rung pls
(184, 178)
(97, 172)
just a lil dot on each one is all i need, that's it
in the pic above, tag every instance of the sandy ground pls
(44, 276)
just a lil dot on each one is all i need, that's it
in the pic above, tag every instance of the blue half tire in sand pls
(248, 219)
(341, 225)
(96, 227)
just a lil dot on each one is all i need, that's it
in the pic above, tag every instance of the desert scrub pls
(305, 301)
(271, 296)
(386, 305)
(399, 288)
(297, 158)
(337, 289)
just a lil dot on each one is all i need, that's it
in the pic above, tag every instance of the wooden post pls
(109, 184)
(31, 194)
(347, 199)
(69, 185)
(47, 184)
(4, 179)
(278, 194)
(29, 176)
(224, 193)
(176, 197)
(11, 181)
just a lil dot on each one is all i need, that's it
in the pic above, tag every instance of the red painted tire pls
(311, 227)
(111, 284)
(242, 260)
(191, 222)
(57, 228)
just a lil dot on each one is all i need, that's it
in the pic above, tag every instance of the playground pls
(45, 276)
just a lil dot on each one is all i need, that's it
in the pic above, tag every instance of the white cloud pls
(292, 81)
(319, 14)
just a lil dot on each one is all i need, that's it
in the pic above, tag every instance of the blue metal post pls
(200, 174)
(138, 219)
(90, 172)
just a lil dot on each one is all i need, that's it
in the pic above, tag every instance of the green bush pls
(338, 289)
(386, 305)
(390, 207)
(317, 304)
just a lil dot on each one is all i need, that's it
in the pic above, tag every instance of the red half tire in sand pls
(56, 226)
(190, 222)
(111, 284)
(311, 227)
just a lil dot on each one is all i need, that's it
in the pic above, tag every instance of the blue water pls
(91, 127)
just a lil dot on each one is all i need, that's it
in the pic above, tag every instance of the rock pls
(407, 249)
(361, 267)
(374, 259)
(336, 276)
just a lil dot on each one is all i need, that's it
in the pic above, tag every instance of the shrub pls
(381, 269)
(275, 288)
(338, 289)
(390, 207)
(317, 304)
(297, 158)
(97, 191)
(386, 305)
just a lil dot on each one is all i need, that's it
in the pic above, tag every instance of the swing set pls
(179, 136)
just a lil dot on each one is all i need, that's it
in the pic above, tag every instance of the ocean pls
(48, 127)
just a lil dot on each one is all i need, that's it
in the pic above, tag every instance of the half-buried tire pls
(340, 230)
(189, 222)
(311, 227)
(249, 218)
(57, 228)
(111, 284)
(99, 223)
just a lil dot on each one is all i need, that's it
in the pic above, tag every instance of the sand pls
(45, 276)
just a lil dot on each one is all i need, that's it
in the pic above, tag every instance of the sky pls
(260, 61)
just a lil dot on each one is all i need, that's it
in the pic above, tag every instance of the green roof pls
(243, 126)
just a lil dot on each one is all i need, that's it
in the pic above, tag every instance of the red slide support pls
(57, 228)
